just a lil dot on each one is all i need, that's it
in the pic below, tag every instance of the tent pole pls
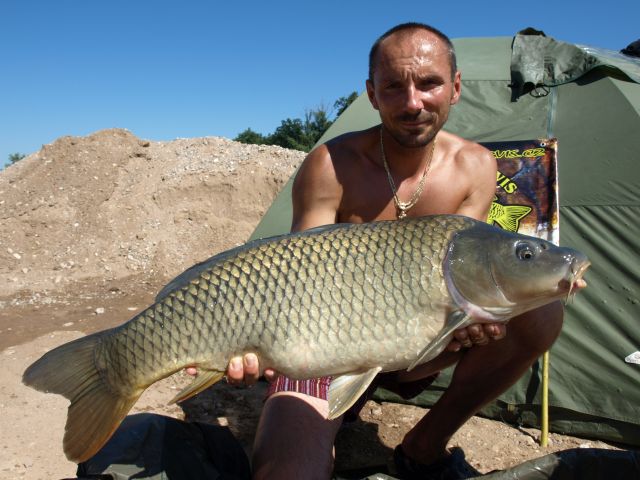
(544, 434)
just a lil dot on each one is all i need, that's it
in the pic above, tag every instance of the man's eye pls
(428, 84)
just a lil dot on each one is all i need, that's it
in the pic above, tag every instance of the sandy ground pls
(92, 227)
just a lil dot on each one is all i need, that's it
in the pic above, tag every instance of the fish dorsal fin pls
(455, 320)
(346, 389)
(204, 380)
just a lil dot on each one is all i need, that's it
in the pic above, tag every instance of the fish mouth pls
(574, 281)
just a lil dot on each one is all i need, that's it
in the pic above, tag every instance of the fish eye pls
(525, 252)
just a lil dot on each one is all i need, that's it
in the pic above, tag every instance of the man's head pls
(405, 27)
(413, 82)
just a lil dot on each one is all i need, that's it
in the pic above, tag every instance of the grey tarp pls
(589, 99)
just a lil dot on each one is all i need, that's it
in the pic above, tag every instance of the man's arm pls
(316, 192)
(480, 167)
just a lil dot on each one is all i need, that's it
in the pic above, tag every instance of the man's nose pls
(413, 102)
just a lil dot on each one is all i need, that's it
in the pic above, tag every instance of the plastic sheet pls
(574, 464)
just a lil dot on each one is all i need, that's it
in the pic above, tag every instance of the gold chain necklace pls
(403, 207)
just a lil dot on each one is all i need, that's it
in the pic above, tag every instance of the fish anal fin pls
(346, 389)
(456, 319)
(204, 380)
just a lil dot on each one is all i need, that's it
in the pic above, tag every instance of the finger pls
(477, 335)
(270, 375)
(251, 368)
(235, 371)
(580, 284)
(462, 336)
(193, 371)
(454, 346)
(495, 331)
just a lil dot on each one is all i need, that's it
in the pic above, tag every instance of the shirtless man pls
(413, 82)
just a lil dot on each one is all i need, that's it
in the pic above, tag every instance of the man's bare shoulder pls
(339, 151)
(468, 153)
(475, 173)
(352, 147)
(327, 172)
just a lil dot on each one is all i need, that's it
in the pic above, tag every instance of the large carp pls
(345, 300)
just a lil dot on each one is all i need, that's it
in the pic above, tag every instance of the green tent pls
(530, 87)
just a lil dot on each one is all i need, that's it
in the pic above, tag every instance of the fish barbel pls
(346, 300)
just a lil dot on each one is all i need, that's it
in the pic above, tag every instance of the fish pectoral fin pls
(346, 389)
(204, 380)
(455, 320)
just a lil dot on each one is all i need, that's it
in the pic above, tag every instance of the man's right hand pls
(242, 370)
(476, 334)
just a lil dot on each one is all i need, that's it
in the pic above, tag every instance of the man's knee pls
(294, 439)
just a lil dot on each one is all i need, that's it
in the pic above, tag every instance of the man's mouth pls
(423, 118)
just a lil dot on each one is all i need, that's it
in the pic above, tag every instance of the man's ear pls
(457, 88)
(371, 94)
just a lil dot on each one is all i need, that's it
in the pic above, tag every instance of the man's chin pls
(413, 136)
(415, 140)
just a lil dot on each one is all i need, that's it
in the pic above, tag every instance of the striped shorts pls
(319, 388)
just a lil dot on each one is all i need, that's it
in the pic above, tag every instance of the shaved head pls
(408, 28)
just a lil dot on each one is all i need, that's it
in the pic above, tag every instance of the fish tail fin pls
(96, 408)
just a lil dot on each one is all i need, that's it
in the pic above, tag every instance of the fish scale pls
(343, 300)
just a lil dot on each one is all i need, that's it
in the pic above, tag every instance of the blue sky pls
(168, 69)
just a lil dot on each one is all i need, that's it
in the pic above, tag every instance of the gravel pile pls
(110, 205)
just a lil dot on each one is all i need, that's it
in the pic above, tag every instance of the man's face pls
(412, 87)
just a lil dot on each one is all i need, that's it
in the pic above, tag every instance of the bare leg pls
(482, 374)
(294, 440)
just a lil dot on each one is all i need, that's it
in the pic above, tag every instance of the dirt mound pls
(110, 206)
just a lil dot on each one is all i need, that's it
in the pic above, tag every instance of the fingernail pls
(251, 360)
(236, 364)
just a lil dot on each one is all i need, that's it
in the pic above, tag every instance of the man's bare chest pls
(370, 198)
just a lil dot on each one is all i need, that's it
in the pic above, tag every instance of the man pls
(407, 166)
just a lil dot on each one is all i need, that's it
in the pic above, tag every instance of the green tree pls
(300, 134)
(290, 134)
(251, 137)
(342, 103)
(16, 157)
(316, 123)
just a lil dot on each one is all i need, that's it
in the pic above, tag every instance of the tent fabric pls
(595, 117)
(538, 60)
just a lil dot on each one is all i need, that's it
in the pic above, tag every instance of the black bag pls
(149, 446)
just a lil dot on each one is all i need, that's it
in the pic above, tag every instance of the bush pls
(16, 157)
